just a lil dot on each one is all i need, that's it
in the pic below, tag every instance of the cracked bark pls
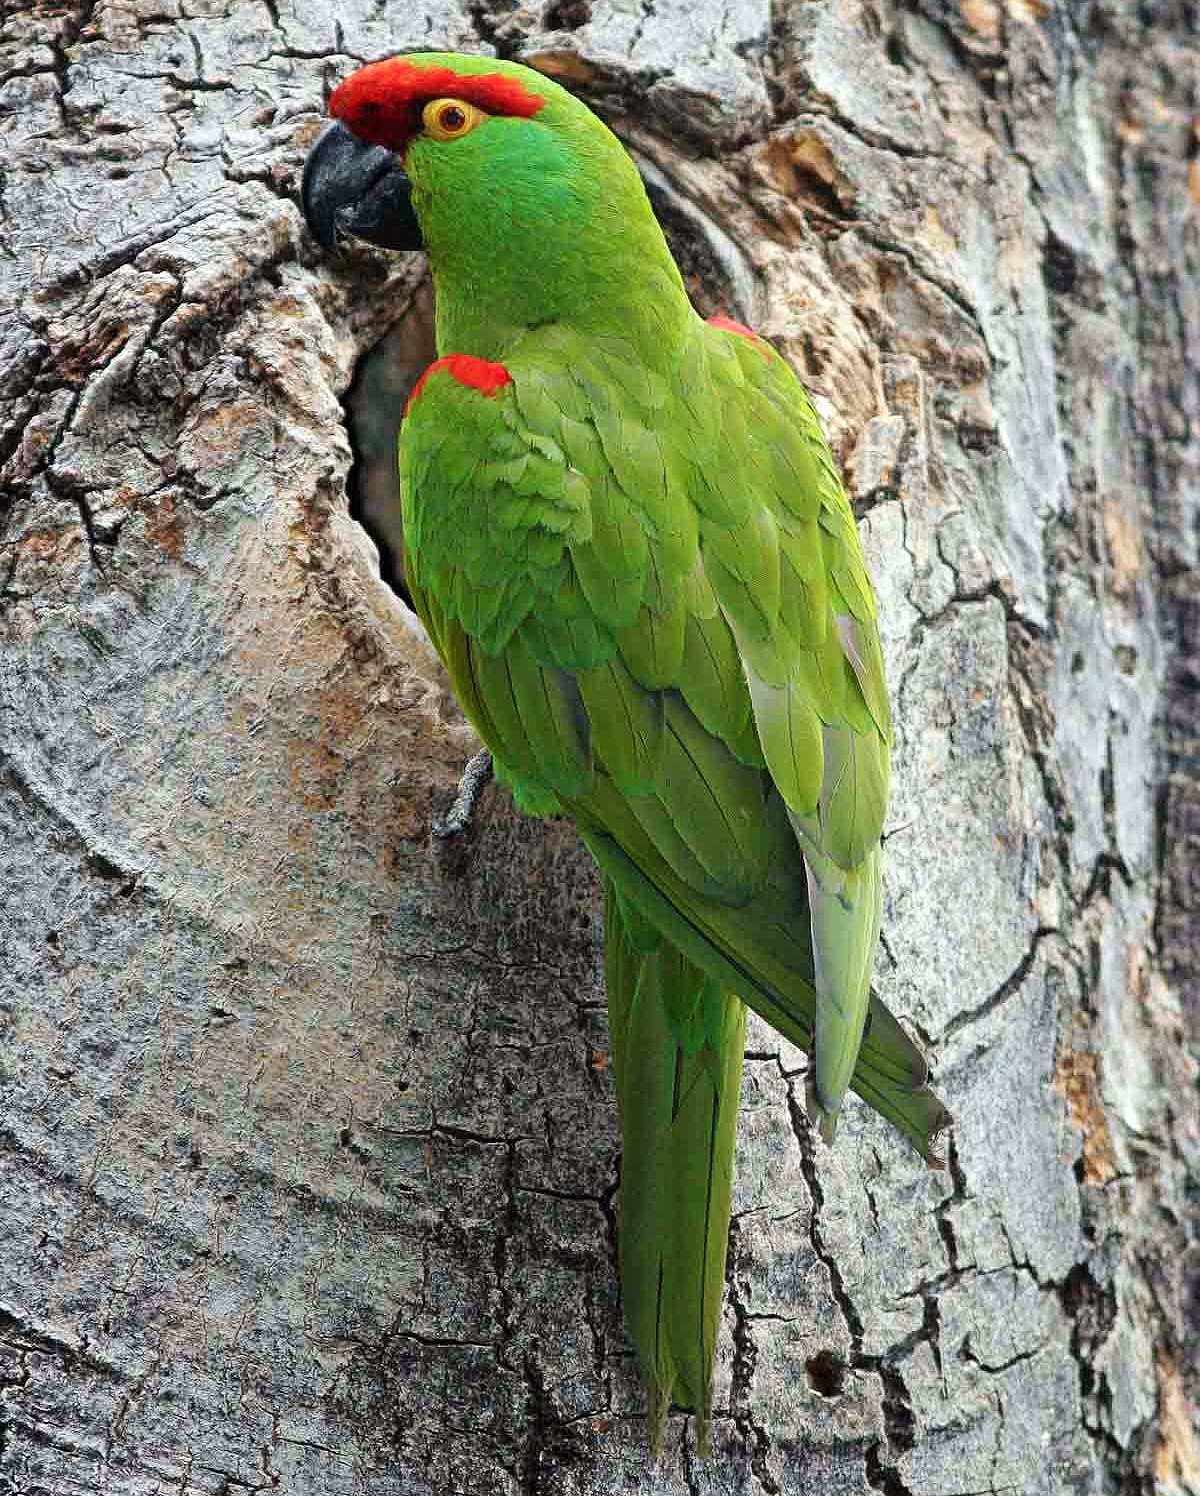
(308, 1144)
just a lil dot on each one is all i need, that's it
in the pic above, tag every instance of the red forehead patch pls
(381, 104)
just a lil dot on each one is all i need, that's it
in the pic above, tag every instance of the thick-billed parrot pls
(628, 540)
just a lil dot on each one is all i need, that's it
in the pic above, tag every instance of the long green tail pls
(677, 1047)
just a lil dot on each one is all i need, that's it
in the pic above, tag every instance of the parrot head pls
(526, 203)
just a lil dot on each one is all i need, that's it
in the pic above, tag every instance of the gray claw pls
(475, 779)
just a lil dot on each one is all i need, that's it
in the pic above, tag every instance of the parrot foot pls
(475, 779)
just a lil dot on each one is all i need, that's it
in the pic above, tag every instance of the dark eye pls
(453, 119)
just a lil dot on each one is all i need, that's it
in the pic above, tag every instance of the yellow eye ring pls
(450, 119)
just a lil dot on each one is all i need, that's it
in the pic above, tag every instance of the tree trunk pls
(308, 1145)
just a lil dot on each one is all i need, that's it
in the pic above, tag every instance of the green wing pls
(651, 600)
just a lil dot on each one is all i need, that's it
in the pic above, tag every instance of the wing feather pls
(696, 670)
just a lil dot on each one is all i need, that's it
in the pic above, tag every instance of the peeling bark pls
(307, 1141)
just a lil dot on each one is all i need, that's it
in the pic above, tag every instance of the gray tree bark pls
(308, 1145)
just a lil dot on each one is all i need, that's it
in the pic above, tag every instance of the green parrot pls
(627, 538)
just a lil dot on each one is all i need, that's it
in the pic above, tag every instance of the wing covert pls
(654, 604)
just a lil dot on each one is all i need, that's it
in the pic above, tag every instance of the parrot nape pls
(627, 538)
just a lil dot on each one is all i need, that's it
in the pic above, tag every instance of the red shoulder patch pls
(476, 373)
(381, 103)
(727, 324)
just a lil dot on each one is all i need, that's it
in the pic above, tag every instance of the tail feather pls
(891, 1073)
(678, 1042)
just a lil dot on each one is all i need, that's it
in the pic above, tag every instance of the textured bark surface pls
(307, 1141)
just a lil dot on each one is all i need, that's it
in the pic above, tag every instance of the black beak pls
(352, 188)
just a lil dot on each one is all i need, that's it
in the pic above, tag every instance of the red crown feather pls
(381, 104)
